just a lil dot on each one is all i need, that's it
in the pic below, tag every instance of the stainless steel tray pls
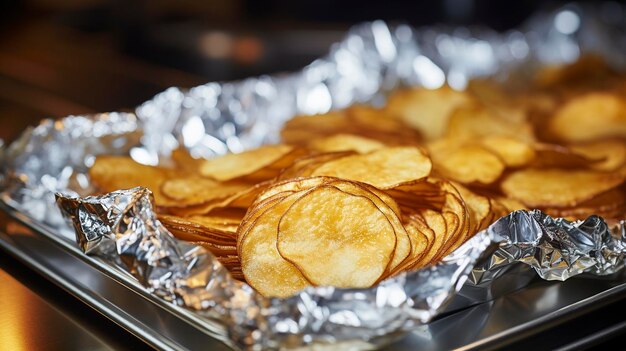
(119, 297)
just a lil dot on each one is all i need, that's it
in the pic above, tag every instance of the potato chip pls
(590, 117)
(467, 164)
(558, 187)
(183, 161)
(233, 166)
(474, 122)
(346, 142)
(436, 222)
(403, 242)
(263, 267)
(479, 208)
(426, 110)
(609, 155)
(422, 239)
(611, 204)
(194, 190)
(559, 156)
(357, 120)
(513, 152)
(111, 173)
(337, 239)
(384, 168)
(304, 166)
(510, 204)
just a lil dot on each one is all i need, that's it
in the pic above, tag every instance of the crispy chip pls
(426, 110)
(384, 168)
(558, 156)
(610, 155)
(183, 161)
(513, 152)
(590, 117)
(346, 142)
(194, 190)
(110, 173)
(263, 267)
(466, 164)
(558, 187)
(403, 242)
(305, 166)
(474, 122)
(348, 241)
(233, 166)
(436, 222)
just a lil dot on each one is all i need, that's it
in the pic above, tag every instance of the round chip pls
(590, 117)
(237, 165)
(513, 152)
(558, 187)
(263, 267)
(336, 238)
(467, 164)
(426, 110)
(346, 142)
(194, 190)
(384, 168)
(403, 242)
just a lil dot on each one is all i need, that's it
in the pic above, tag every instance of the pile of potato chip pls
(355, 196)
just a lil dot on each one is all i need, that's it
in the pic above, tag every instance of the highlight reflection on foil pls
(215, 118)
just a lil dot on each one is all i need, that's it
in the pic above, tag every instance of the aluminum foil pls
(216, 118)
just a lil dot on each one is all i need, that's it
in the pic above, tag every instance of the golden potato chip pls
(426, 110)
(422, 194)
(422, 239)
(304, 166)
(436, 222)
(513, 152)
(467, 164)
(183, 161)
(257, 210)
(336, 239)
(609, 155)
(403, 242)
(194, 190)
(233, 166)
(590, 117)
(364, 121)
(384, 168)
(558, 187)
(454, 233)
(611, 204)
(511, 204)
(479, 208)
(263, 267)
(199, 228)
(474, 122)
(111, 173)
(297, 184)
(559, 156)
(346, 142)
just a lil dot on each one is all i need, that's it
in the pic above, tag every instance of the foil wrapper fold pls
(50, 161)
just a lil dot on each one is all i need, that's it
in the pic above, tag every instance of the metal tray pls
(119, 297)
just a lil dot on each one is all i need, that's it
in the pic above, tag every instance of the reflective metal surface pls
(154, 325)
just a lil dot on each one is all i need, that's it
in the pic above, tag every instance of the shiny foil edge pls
(54, 156)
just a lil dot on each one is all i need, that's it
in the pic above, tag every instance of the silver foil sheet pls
(374, 58)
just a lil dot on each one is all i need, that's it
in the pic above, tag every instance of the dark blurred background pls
(60, 57)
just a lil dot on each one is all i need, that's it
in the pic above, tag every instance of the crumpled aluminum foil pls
(216, 118)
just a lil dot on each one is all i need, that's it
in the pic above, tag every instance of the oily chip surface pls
(321, 236)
